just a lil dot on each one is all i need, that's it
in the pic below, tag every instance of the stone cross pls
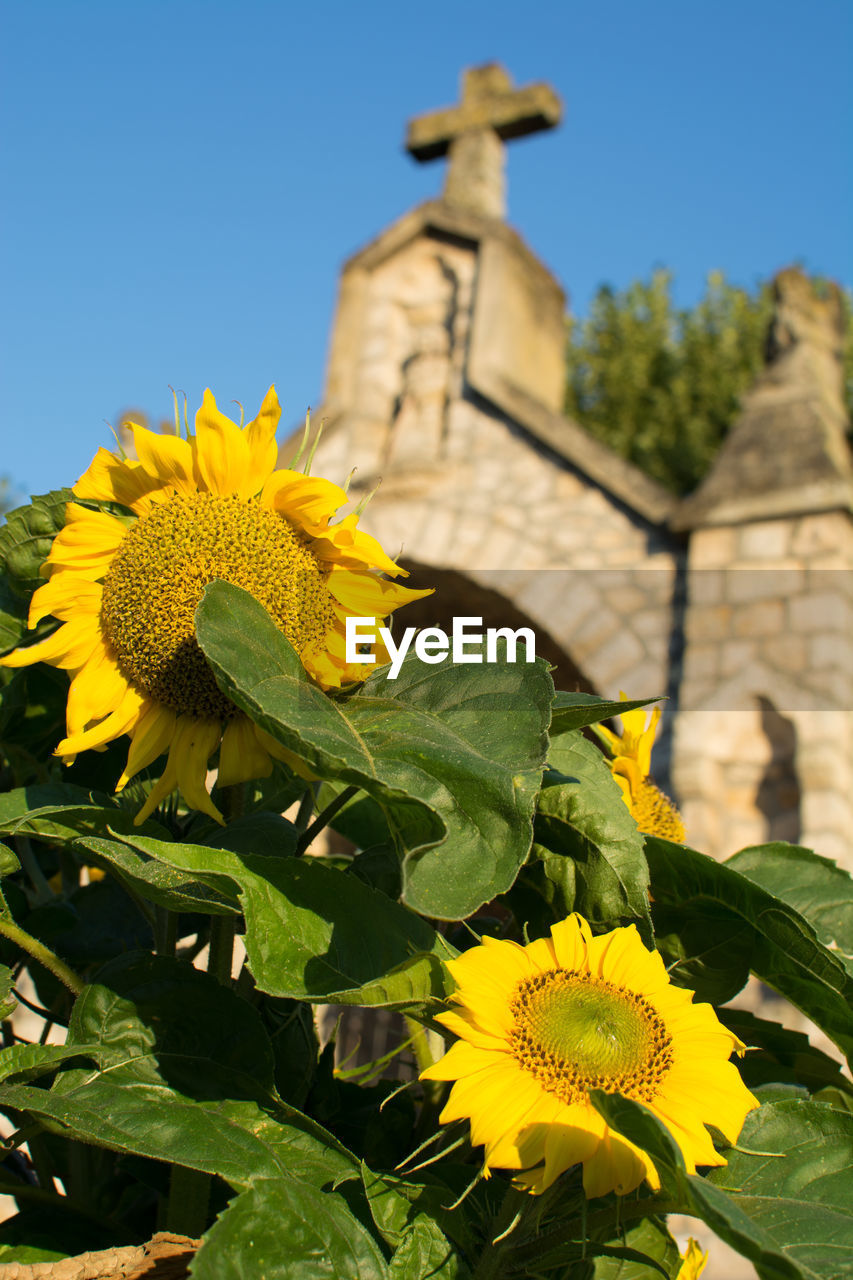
(490, 113)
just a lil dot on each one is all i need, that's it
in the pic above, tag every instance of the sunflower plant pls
(307, 974)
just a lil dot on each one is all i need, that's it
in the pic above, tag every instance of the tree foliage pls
(661, 384)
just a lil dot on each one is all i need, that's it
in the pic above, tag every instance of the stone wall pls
(764, 738)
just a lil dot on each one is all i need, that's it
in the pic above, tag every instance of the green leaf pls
(726, 1214)
(29, 1061)
(9, 863)
(588, 842)
(792, 1175)
(698, 899)
(425, 1252)
(396, 1204)
(8, 1003)
(185, 1076)
(26, 537)
(650, 1238)
(819, 890)
(575, 710)
(316, 933)
(281, 1229)
(61, 813)
(454, 761)
(157, 881)
(779, 1055)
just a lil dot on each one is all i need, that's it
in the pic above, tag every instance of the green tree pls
(661, 385)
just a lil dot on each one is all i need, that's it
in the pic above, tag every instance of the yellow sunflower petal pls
(616, 1165)
(120, 721)
(64, 595)
(193, 743)
(241, 755)
(87, 542)
(151, 738)
(463, 1059)
(222, 450)
(69, 647)
(96, 690)
(367, 596)
(343, 543)
(693, 1262)
(308, 502)
(263, 450)
(112, 479)
(463, 1025)
(571, 1137)
(168, 460)
(571, 939)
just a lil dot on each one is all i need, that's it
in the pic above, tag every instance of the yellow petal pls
(463, 1059)
(344, 544)
(571, 939)
(308, 502)
(168, 460)
(69, 647)
(464, 1025)
(693, 1262)
(193, 743)
(96, 690)
(241, 756)
(65, 595)
(616, 1165)
(151, 737)
(367, 596)
(87, 543)
(112, 479)
(222, 450)
(122, 720)
(263, 450)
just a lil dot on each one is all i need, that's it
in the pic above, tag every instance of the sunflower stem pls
(306, 807)
(221, 952)
(42, 954)
(165, 931)
(189, 1194)
(419, 1040)
(323, 819)
(233, 800)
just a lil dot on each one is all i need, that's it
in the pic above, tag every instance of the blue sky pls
(181, 180)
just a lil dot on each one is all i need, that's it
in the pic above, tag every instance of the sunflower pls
(125, 588)
(653, 812)
(693, 1262)
(539, 1026)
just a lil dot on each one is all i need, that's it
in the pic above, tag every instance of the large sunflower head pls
(652, 810)
(540, 1026)
(125, 588)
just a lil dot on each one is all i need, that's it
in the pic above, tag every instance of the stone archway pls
(458, 595)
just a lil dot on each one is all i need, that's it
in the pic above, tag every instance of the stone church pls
(446, 381)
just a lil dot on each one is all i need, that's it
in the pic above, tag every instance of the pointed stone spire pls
(787, 451)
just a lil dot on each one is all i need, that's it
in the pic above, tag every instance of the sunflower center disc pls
(158, 575)
(575, 1032)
